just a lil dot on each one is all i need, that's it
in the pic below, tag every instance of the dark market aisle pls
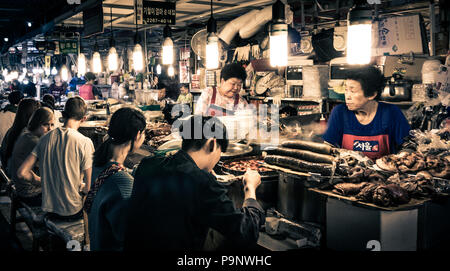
(8, 242)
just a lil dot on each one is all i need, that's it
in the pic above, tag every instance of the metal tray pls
(237, 149)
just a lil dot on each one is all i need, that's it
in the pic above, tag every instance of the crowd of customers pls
(168, 203)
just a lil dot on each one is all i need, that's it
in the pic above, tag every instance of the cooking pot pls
(297, 203)
(266, 192)
(397, 90)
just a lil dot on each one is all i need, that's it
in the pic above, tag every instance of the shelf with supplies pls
(301, 106)
(288, 99)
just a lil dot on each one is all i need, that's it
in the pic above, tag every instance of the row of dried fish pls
(397, 189)
(414, 162)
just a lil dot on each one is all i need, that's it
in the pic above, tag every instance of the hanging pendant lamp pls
(64, 73)
(167, 48)
(96, 60)
(278, 36)
(81, 64)
(359, 35)
(138, 56)
(212, 43)
(113, 57)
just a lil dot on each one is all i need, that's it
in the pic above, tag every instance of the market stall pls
(315, 194)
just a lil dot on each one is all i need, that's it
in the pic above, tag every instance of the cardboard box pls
(399, 35)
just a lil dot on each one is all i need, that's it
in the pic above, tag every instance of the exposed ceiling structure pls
(64, 18)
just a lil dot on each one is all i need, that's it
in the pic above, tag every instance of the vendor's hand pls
(277, 100)
(251, 179)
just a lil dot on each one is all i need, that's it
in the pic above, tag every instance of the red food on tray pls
(244, 164)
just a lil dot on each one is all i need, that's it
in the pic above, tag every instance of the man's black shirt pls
(174, 203)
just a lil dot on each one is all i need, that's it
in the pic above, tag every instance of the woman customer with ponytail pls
(106, 201)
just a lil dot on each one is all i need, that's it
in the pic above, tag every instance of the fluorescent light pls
(138, 58)
(278, 45)
(158, 69)
(359, 34)
(359, 43)
(167, 51)
(171, 71)
(167, 47)
(113, 59)
(54, 71)
(212, 51)
(96, 63)
(278, 36)
(212, 43)
(81, 64)
(14, 75)
(64, 73)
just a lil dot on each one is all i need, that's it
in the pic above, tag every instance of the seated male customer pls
(65, 159)
(176, 200)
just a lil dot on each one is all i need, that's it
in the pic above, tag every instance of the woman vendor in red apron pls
(88, 91)
(225, 99)
(363, 123)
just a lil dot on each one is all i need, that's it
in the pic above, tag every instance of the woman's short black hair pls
(195, 132)
(370, 78)
(89, 76)
(184, 85)
(233, 70)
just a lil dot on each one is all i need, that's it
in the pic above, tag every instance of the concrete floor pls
(22, 240)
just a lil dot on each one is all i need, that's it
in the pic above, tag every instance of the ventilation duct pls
(250, 23)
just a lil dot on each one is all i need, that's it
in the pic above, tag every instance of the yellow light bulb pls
(64, 73)
(96, 63)
(138, 59)
(171, 71)
(167, 51)
(212, 51)
(279, 45)
(113, 59)
(359, 43)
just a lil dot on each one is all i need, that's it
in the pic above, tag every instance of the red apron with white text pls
(215, 110)
(85, 92)
(373, 147)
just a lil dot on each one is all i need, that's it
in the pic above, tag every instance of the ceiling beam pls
(208, 3)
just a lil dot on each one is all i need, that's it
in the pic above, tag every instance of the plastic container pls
(430, 69)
